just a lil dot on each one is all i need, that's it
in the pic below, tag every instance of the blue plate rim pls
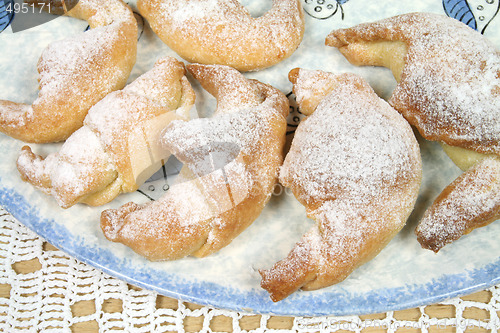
(256, 301)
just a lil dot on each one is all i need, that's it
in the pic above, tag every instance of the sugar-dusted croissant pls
(117, 148)
(231, 162)
(355, 165)
(76, 73)
(448, 88)
(223, 32)
(469, 202)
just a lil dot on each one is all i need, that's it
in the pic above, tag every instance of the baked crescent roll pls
(76, 73)
(231, 162)
(355, 165)
(469, 202)
(448, 88)
(223, 32)
(117, 148)
(448, 75)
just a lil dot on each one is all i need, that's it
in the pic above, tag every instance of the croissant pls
(448, 88)
(116, 149)
(223, 32)
(231, 162)
(354, 163)
(76, 73)
(469, 202)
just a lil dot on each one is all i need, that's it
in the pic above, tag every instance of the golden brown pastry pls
(448, 88)
(223, 32)
(469, 202)
(355, 165)
(448, 75)
(231, 162)
(76, 73)
(117, 148)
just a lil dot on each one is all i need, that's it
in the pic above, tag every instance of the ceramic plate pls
(402, 276)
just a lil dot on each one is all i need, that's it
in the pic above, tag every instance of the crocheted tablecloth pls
(44, 290)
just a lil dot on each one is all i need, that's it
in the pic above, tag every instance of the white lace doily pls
(42, 300)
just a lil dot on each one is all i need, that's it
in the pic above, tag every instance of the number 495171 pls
(14, 7)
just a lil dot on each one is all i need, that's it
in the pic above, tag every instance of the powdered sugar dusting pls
(233, 22)
(183, 12)
(224, 32)
(242, 134)
(99, 154)
(63, 60)
(77, 169)
(75, 73)
(355, 164)
(450, 87)
(240, 128)
(357, 148)
(116, 113)
(230, 167)
(471, 201)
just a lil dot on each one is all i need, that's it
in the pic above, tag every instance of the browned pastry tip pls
(230, 88)
(117, 148)
(76, 73)
(290, 274)
(319, 84)
(231, 162)
(293, 75)
(111, 219)
(471, 201)
(223, 32)
(355, 165)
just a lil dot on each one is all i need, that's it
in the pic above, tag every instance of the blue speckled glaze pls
(402, 276)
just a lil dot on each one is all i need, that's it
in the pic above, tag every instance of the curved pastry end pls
(293, 75)
(13, 121)
(469, 202)
(30, 168)
(230, 88)
(312, 86)
(290, 274)
(113, 220)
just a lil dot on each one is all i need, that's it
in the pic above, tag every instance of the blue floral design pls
(461, 11)
(476, 14)
(5, 16)
(323, 9)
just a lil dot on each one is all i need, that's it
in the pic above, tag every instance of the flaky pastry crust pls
(469, 202)
(75, 73)
(223, 32)
(230, 161)
(448, 75)
(448, 88)
(355, 165)
(117, 148)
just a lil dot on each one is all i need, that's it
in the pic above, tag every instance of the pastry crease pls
(230, 161)
(75, 73)
(449, 89)
(116, 150)
(355, 165)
